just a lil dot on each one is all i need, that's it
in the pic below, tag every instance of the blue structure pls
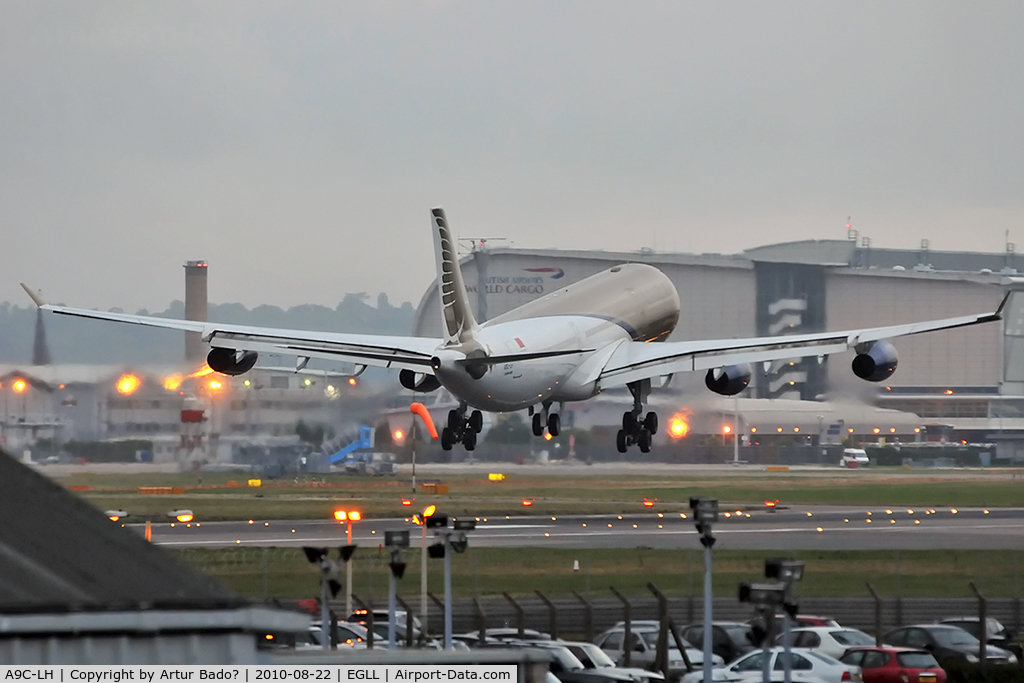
(365, 440)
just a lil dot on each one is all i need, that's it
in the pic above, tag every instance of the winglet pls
(36, 297)
(1002, 304)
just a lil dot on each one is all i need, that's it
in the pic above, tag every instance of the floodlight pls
(437, 521)
(762, 593)
(315, 555)
(784, 570)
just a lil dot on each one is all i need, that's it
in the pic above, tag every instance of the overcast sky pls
(298, 146)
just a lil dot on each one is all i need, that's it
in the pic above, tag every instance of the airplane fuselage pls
(630, 302)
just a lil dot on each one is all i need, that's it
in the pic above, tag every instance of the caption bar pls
(414, 673)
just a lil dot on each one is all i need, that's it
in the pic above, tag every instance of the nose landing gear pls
(636, 429)
(462, 428)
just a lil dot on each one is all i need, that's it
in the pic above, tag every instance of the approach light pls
(398, 435)
(649, 503)
(429, 511)
(347, 515)
(527, 502)
(406, 502)
(115, 515)
(19, 385)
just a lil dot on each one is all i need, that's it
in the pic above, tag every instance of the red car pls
(895, 665)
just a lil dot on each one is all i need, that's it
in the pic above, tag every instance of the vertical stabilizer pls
(458, 324)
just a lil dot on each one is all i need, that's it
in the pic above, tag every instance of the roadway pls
(796, 528)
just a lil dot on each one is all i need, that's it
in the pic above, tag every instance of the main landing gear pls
(545, 418)
(462, 429)
(637, 428)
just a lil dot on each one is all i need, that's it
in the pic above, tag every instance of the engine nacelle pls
(876, 362)
(228, 362)
(728, 381)
(426, 383)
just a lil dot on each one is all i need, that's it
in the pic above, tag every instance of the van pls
(854, 457)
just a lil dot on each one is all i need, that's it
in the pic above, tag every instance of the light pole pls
(705, 513)
(395, 541)
(451, 539)
(328, 585)
(787, 572)
(427, 512)
(348, 516)
(767, 597)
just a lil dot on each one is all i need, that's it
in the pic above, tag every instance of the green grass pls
(285, 573)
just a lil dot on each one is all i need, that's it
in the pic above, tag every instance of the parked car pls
(807, 666)
(854, 457)
(809, 620)
(729, 639)
(644, 648)
(895, 665)
(509, 634)
(833, 642)
(380, 622)
(995, 633)
(350, 636)
(593, 657)
(566, 662)
(947, 644)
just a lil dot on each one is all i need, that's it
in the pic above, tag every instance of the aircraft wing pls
(413, 353)
(634, 361)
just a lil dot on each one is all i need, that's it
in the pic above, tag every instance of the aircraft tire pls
(651, 422)
(476, 421)
(447, 439)
(644, 441)
(620, 441)
(455, 421)
(554, 424)
(469, 440)
(628, 422)
(538, 424)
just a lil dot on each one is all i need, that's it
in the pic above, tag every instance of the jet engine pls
(425, 383)
(231, 362)
(875, 362)
(728, 381)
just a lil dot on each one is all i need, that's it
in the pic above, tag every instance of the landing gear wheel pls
(538, 424)
(455, 421)
(620, 441)
(469, 440)
(554, 424)
(644, 441)
(476, 421)
(651, 422)
(447, 439)
(628, 422)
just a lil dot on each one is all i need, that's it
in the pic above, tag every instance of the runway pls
(799, 528)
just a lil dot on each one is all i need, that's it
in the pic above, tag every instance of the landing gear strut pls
(637, 428)
(462, 428)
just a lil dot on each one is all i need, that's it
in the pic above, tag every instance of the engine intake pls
(425, 383)
(229, 362)
(876, 362)
(728, 381)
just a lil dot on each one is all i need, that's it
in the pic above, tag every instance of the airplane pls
(568, 345)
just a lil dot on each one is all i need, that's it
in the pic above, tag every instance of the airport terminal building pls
(967, 384)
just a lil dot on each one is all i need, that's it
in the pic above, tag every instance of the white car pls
(644, 636)
(833, 642)
(854, 457)
(807, 667)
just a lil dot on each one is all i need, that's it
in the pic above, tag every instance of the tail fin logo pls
(556, 272)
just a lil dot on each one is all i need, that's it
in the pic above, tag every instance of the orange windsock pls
(421, 410)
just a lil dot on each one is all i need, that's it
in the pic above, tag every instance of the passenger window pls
(754, 662)
(613, 641)
(917, 638)
(853, 658)
(799, 663)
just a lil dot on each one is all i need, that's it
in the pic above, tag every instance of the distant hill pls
(96, 342)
